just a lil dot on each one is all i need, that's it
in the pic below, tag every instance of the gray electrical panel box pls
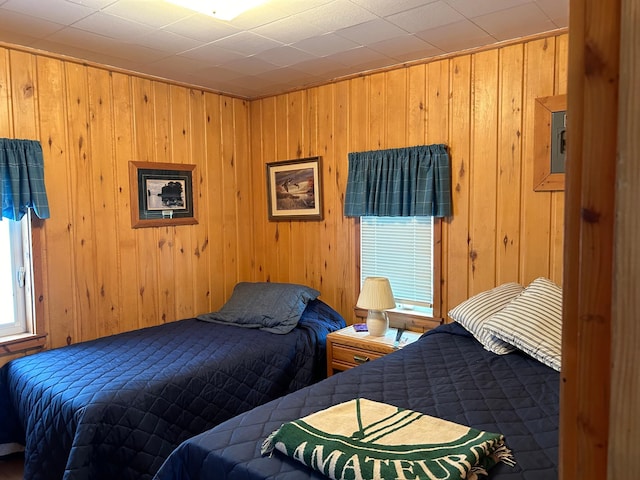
(558, 141)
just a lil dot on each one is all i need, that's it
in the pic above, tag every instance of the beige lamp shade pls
(376, 296)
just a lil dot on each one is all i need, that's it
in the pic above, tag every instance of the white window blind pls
(15, 276)
(401, 249)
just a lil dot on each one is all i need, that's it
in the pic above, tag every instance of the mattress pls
(446, 374)
(114, 408)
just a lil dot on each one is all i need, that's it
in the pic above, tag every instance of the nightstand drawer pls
(352, 357)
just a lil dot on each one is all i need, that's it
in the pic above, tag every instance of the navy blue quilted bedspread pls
(116, 407)
(446, 374)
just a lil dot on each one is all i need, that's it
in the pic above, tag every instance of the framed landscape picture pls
(294, 189)
(162, 194)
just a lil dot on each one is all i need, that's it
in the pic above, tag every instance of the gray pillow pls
(273, 307)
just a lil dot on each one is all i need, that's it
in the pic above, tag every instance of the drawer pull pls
(360, 359)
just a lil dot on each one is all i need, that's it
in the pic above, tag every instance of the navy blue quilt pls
(446, 374)
(115, 408)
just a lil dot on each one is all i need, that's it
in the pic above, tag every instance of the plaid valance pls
(399, 182)
(22, 179)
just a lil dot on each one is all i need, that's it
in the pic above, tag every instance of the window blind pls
(401, 249)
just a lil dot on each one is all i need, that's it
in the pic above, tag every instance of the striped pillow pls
(472, 314)
(533, 322)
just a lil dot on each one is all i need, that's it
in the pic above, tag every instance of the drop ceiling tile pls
(203, 28)
(287, 75)
(384, 8)
(219, 74)
(93, 56)
(288, 30)
(336, 15)
(361, 56)
(89, 41)
(372, 31)
(153, 14)
(171, 43)
(58, 11)
(285, 55)
(94, 4)
(405, 48)
(428, 16)
(134, 52)
(18, 38)
(247, 43)
(556, 11)
(165, 66)
(318, 66)
(457, 36)
(211, 54)
(291, 8)
(248, 66)
(327, 44)
(18, 23)
(258, 16)
(112, 26)
(526, 19)
(355, 36)
(475, 9)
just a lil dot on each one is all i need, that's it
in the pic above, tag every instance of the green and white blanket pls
(367, 440)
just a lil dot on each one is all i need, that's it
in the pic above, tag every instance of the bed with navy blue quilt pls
(115, 407)
(449, 373)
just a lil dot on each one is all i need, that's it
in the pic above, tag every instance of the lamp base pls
(377, 323)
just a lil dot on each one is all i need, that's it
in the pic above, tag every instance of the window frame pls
(404, 319)
(36, 339)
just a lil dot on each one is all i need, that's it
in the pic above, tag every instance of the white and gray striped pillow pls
(533, 322)
(474, 312)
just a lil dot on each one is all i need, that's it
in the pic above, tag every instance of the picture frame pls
(294, 189)
(162, 194)
(545, 179)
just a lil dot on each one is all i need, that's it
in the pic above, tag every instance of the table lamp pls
(376, 296)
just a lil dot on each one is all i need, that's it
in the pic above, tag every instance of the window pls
(402, 249)
(16, 288)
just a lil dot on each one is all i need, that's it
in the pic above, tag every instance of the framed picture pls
(294, 189)
(162, 194)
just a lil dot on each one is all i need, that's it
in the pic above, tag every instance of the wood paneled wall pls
(102, 277)
(482, 106)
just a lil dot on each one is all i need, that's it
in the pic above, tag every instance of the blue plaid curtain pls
(22, 179)
(399, 182)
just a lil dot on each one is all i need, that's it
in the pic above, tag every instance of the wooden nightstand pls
(347, 348)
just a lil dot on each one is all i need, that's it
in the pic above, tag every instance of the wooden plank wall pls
(102, 277)
(482, 106)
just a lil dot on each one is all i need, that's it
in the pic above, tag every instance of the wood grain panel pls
(509, 164)
(6, 121)
(483, 169)
(396, 112)
(214, 223)
(182, 277)
(82, 201)
(416, 105)
(536, 206)
(456, 274)
(127, 257)
(200, 249)
(624, 431)
(104, 209)
(60, 318)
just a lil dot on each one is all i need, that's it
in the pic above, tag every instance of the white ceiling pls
(277, 47)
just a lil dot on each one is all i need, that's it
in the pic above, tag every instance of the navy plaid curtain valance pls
(399, 182)
(22, 179)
